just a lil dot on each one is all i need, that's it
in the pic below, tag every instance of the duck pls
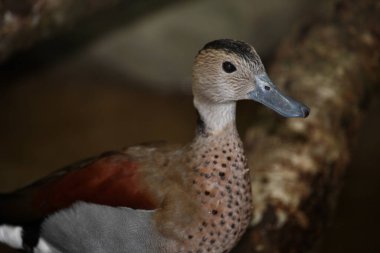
(157, 197)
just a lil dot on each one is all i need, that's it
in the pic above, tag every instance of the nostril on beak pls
(305, 111)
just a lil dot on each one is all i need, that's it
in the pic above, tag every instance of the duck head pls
(226, 71)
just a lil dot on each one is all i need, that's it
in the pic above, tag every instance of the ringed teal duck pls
(156, 198)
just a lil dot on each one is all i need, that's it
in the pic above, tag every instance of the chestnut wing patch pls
(111, 179)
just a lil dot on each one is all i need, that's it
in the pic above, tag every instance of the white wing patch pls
(11, 235)
(44, 247)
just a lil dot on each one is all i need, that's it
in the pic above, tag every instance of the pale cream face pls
(211, 81)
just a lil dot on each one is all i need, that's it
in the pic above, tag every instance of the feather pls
(109, 179)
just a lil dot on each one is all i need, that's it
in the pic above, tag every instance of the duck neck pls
(214, 118)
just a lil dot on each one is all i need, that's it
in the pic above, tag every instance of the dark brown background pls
(57, 110)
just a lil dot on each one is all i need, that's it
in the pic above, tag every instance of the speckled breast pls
(221, 184)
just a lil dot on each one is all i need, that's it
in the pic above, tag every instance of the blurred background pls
(88, 91)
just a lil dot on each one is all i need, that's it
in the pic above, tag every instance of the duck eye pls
(228, 67)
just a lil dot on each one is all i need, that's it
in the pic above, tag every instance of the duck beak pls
(269, 95)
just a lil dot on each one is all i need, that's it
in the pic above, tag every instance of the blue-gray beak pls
(269, 95)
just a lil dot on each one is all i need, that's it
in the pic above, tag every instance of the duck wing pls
(111, 179)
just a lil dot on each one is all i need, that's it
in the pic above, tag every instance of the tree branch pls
(25, 22)
(298, 164)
